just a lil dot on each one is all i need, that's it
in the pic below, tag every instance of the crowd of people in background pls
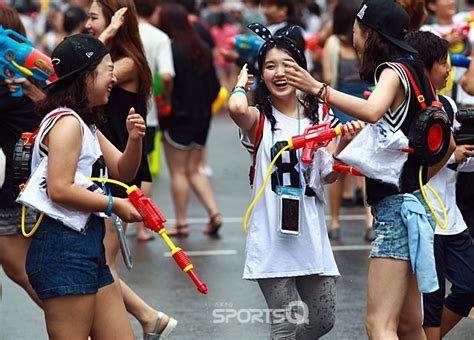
(172, 59)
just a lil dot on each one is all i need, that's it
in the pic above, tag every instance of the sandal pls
(156, 334)
(178, 230)
(215, 222)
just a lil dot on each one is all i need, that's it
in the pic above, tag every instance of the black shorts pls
(454, 256)
(187, 140)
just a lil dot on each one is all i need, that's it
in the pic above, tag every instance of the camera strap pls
(447, 108)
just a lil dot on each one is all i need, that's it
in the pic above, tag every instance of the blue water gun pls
(18, 58)
(460, 60)
(246, 45)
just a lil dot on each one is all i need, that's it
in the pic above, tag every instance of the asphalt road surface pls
(234, 308)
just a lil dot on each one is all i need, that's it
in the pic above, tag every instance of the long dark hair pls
(71, 92)
(9, 18)
(174, 22)
(127, 41)
(377, 50)
(343, 19)
(263, 96)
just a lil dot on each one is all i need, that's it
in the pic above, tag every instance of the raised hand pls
(136, 126)
(116, 22)
(300, 78)
(118, 18)
(244, 79)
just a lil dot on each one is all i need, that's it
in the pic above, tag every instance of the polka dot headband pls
(287, 40)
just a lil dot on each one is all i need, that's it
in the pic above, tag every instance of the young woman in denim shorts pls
(67, 268)
(393, 299)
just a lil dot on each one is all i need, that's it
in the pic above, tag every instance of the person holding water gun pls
(287, 251)
(68, 269)
(393, 299)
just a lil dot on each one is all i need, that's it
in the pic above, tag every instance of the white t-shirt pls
(444, 182)
(158, 53)
(269, 253)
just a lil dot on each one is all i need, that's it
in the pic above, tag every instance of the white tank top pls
(269, 253)
(91, 162)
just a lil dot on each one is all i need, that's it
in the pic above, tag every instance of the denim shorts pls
(62, 261)
(391, 233)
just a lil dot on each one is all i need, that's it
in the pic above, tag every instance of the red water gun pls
(314, 137)
(155, 220)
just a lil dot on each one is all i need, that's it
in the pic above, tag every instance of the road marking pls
(197, 220)
(206, 252)
(192, 253)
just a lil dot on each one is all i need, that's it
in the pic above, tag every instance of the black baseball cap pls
(74, 54)
(387, 18)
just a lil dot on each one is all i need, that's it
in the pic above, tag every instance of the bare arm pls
(64, 149)
(389, 93)
(327, 76)
(245, 116)
(433, 170)
(166, 88)
(124, 166)
(467, 80)
(126, 73)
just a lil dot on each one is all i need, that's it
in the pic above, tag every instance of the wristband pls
(108, 211)
(238, 90)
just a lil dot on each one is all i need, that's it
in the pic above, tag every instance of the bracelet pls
(238, 90)
(321, 90)
(108, 211)
(239, 87)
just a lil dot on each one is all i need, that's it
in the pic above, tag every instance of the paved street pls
(219, 262)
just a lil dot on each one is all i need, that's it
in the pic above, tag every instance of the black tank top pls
(115, 129)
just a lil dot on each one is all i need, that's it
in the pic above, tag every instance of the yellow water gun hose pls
(260, 192)
(430, 206)
(40, 218)
(23, 217)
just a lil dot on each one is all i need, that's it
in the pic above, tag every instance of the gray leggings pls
(319, 295)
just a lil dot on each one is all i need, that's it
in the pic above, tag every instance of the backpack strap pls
(256, 145)
(414, 84)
